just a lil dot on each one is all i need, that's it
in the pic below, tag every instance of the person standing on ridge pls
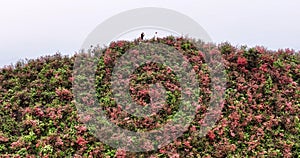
(155, 36)
(142, 36)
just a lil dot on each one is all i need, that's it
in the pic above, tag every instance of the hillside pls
(260, 115)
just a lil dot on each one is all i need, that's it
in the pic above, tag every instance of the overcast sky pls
(33, 28)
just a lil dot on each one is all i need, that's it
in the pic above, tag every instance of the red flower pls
(211, 135)
(162, 151)
(120, 43)
(64, 93)
(264, 67)
(242, 61)
(81, 141)
(260, 49)
(39, 112)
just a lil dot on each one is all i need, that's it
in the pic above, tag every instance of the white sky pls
(32, 28)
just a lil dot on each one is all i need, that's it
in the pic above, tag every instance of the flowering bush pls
(260, 115)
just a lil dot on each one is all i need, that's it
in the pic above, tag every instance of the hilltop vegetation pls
(260, 115)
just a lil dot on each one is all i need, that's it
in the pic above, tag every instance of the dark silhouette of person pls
(142, 36)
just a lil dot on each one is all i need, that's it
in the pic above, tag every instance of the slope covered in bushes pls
(260, 115)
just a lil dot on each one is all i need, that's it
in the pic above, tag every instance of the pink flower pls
(259, 118)
(85, 119)
(193, 128)
(71, 79)
(175, 155)
(121, 153)
(80, 129)
(17, 144)
(56, 76)
(187, 143)
(3, 139)
(59, 142)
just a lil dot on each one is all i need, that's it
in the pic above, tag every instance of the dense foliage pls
(260, 115)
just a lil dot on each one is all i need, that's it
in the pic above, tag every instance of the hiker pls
(155, 36)
(142, 36)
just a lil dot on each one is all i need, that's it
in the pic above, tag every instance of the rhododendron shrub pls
(260, 114)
